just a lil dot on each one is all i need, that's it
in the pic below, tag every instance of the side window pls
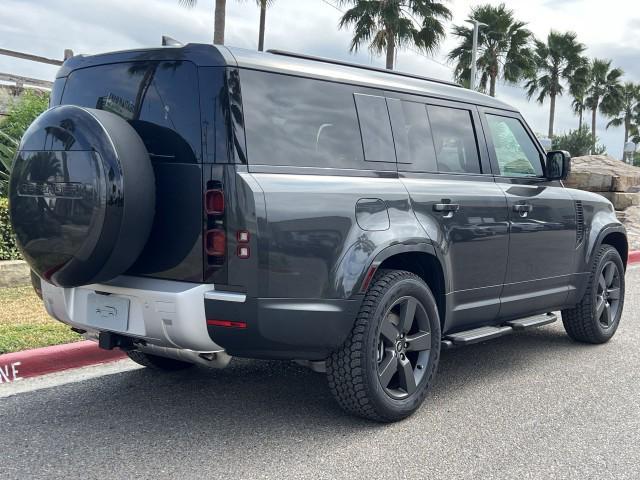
(376, 129)
(454, 139)
(412, 135)
(516, 154)
(299, 122)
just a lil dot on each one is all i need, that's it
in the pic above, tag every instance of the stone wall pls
(615, 180)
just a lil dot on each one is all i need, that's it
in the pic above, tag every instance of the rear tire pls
(157, 363)
(597, 317)
(385, 367)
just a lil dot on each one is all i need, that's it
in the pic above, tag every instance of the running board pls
(482, 334)
(478, 335)
(531, 322)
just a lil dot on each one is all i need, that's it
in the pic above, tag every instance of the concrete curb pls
(40, 361)
(14, 273)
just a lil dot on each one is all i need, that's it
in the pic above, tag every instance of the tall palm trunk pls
(391, 48)
(593, 128)
(580, 119)
(552, 114)
(263, 21)
(627, 127)
(493, 78)
(219, 22)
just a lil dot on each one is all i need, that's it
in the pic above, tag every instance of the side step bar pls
(482, 334)
(531, 322)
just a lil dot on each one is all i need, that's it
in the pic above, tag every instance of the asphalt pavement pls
(533, 405)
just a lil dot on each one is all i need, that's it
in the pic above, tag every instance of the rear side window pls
(159, 99)
(454, 139)
(412, 135)
(300, 122)
(376, 129)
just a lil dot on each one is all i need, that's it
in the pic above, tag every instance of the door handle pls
(447, 208)
(523, 209)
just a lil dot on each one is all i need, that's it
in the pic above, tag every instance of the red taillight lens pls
(216, 243)
(214, 202)
(226, 323)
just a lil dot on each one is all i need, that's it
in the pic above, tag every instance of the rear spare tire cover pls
(81, 195)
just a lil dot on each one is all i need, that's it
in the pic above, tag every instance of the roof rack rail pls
(285, 53)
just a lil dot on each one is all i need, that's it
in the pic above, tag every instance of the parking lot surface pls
(530, 405)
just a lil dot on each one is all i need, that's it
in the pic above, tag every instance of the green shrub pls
(577, 142)
(8, 248)
(31, 104)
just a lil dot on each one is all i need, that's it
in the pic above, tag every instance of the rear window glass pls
(300, 122)
(454, 139)
(412, 134)
(159, 99)
(376, 128)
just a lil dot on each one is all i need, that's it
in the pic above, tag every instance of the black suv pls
(194, 203)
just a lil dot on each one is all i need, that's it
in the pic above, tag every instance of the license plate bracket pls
(108, 312)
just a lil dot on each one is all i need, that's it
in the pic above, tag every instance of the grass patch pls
(25, 324)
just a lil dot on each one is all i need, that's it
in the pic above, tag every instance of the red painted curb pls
(634, 257)
(39, 361)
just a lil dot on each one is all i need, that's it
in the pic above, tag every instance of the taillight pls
(243, 251)
(215, 237)
(216, 243)
(214, 202)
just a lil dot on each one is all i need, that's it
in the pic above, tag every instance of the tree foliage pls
(386, 26)
(504, 48)
(605, 91)
(20, 116)
(577, 142)
(558, 61)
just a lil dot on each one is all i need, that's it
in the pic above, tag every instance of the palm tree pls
(578, 84)
(220, 19)
(605, 92)
(389, 25)
(629, 114)
(504, 48)
(557, 60)
(263, 4)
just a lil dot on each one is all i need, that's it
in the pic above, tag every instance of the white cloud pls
(47, 27)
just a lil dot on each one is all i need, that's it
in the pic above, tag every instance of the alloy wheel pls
(608, 295)
(404, 348)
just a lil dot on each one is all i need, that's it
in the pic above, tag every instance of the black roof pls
(292, 64)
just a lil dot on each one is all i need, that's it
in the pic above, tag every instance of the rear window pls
(300, 122)
(159, 99)
(454, 139)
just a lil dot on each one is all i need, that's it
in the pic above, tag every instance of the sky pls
(46, 27)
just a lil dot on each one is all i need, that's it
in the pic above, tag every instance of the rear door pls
(542, 218)
(443, 162)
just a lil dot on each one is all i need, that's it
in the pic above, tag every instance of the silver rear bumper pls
(161, 312)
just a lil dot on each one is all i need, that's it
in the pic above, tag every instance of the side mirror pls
(558, 165)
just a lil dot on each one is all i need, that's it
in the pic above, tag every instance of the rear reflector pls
(226, 323)
(215, 243)
(243, 236)
(214, 202)
(244, 252)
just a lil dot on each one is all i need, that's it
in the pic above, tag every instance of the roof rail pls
(284, 53)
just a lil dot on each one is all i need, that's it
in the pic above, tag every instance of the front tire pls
(597, 317)
(385, 367)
